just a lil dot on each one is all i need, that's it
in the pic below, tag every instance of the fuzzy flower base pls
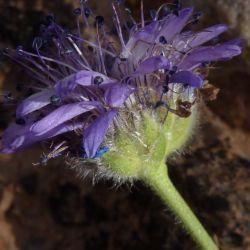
(116, 101)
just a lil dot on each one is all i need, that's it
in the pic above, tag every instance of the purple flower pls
(83, 87)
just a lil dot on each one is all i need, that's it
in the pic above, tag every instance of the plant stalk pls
(160, 183)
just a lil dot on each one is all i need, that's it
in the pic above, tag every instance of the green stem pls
(160, 183)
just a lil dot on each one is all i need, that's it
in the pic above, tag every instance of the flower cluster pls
(90, 86)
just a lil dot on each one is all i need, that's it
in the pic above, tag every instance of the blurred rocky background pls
(50, 208)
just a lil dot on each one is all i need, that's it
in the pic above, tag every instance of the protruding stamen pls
(79, 52)
(85, 12)
(92, 45)
(100, 51)
(37, 43)
(50, 60)
(165, 9)
(118, 27)
(77, 12)
(36, 75)
(131, 17)
(153, 14)
(142, 15)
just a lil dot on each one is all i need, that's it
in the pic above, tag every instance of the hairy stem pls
(160, 183)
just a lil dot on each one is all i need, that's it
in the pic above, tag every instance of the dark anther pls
(20, 121)
(196, 17)
(55, 100)
(129, 24)
(215, 40)
(87, 12)
(166, 11)
(19, 87)
(177, 4)
(98, 80)
(167, 79)
(173, 70)
(99, 20)
(176, 12)
(119, 1)
(195, 21)
(77, 12)
(37, 43)
(90, 48)
(163, 40)
(127, 79)
(176, 7)
(8, 95)
(29, 92)
(165, 87)
(153, 13)
(50, 18)
(19, 50)
(205, 64)
(123, 59)
(42, 28)
(41, 116)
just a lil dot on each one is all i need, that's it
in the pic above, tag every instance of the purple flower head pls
(84, 84)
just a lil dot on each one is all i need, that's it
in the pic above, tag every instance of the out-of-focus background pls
(49, 208)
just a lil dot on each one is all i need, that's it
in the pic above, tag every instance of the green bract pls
(135, 153)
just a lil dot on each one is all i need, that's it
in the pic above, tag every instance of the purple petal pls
(61, 115)
(209, 54)
(13, 137)
(174, 24)
(186, 78)
(34, 102)
(146, 32)
(152, 64)
(139, 42)
(116, 95)
(16, 137)
(82, 78)
(146, 35)
(207, 35)
(66, 85)
(95, 133)
(238, 41)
